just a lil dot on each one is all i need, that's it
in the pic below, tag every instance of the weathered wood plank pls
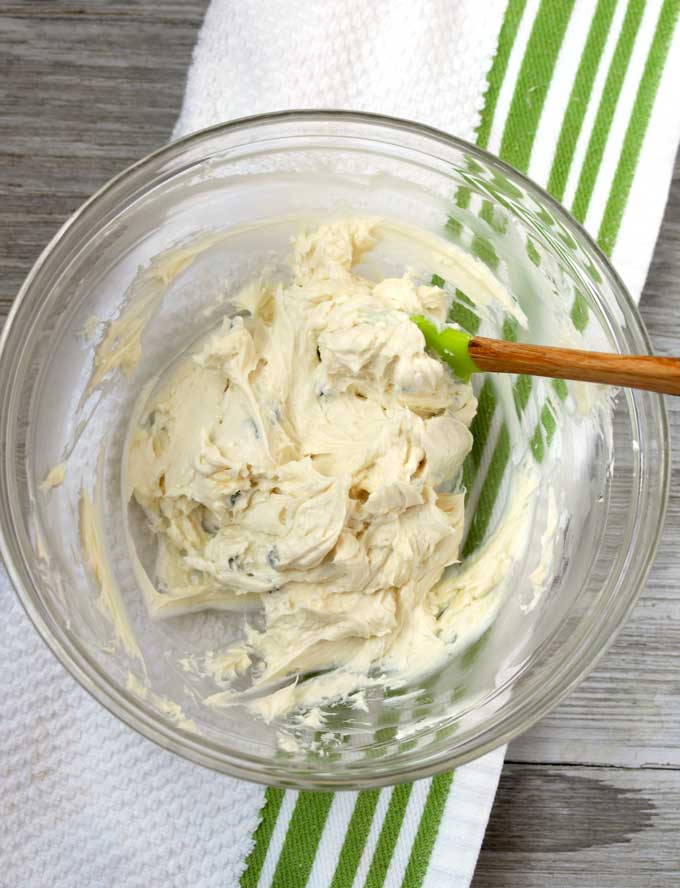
(85, 90)
(576, 827)
(161, 11)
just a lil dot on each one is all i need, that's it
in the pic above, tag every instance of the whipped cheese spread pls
(305, 457)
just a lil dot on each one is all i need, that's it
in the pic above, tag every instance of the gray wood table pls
(591, 795)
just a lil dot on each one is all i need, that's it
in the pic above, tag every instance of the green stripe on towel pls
(533, 81)
(637, 127)
(506, 40)
(302, 839)
(605, 112)
(389, 834)
(263, 834)
(580, 96)
(355, 839)
(427, 831)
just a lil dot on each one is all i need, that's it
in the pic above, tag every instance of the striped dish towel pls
(578, 94)
(581, 95)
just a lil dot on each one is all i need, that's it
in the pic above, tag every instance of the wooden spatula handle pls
(635, 371)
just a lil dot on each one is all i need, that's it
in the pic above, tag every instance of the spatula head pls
(450, 344)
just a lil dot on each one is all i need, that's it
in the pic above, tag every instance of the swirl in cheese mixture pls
(306, 454)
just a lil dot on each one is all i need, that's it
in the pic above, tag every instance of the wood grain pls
(85, 90)
(582, 828)
(654, 374)
(589, 797)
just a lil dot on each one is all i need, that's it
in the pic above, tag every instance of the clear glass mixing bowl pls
(254, 181)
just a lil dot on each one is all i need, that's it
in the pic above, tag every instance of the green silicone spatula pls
(467, 354)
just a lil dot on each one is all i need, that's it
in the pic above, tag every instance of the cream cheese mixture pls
(306, 454)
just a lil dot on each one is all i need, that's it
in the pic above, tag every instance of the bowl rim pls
(357, 775)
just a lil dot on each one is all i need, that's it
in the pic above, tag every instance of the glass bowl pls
(235, 194)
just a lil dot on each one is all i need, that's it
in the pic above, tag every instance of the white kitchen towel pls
(580, 94)
(424, 60)
(87, 803)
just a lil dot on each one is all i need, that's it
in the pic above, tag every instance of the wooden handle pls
(633, 371)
